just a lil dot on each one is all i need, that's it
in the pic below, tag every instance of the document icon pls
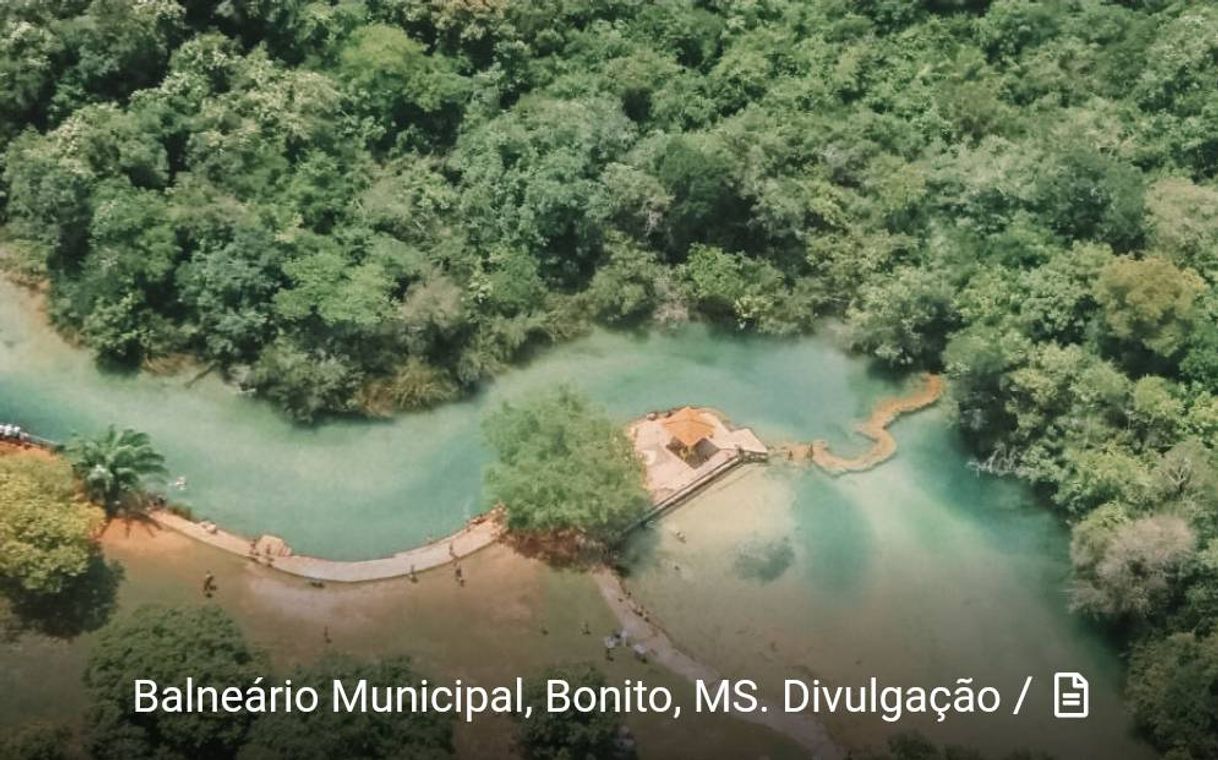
(1070, 695)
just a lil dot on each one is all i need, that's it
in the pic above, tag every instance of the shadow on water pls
(761, 560)
(639, 552)
(84, 606)
(888, 373)
(123, 369)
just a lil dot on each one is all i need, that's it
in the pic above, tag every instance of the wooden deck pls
(670, 479)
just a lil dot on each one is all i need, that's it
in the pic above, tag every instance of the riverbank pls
(9, 447)
(479, 533)
(670, 481)
(513, 617)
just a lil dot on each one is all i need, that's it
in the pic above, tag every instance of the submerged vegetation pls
(363, 206)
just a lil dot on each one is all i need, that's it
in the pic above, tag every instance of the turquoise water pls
(357, 490)
(918, 572)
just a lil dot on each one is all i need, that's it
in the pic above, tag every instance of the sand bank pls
(876, 428)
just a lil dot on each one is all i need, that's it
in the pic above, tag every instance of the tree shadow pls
(763, 561)
(85, 605)
(638, 551)
(566, 549)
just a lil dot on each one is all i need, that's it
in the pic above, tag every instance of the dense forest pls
(358, 207)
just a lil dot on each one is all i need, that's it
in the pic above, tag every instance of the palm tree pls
(114, 466)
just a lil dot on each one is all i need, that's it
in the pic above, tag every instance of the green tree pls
(1149, 302)
(904, 319)
(304, 383)
(562, 465)
(628, 287)
(697, 173)
(38, 741)
(1183, 222)
(30, 57)
(124, 45)
(46, 531)
(393, 80)
(1155, 407)
(572, 734)
(1200, 362)
(115, 466)
(530, 178)
(1087, 195)
(1173, 686)
(167, 645)
(1060, 301)
(325, 734)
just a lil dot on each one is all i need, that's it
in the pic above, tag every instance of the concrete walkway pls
(478, 534)
(804, 729)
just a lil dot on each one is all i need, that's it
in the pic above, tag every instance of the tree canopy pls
(562, 464)
(114, 466)
(325, 734)
(167, 645)
(46, 530)
(359, 207)
(1174, 688)
(571, 734)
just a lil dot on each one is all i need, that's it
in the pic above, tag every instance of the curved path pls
(478, 534)
(876, 428)
(806, 730)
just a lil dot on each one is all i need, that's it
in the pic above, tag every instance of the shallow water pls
(358, 490)
(918, 572)
(487, 632)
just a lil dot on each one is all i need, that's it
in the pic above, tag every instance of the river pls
(918, 572)
(360, 490)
